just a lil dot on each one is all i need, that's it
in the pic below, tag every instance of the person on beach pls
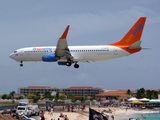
(61, 115)
(112, 117)
(42, 115)
(21, 117)
(51, 111)
(66, 118)
(72, 108)
(126, 109)
(68, 108)
(46, 107)
(107, 116)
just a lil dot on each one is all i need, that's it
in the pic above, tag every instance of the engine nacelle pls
(49, 58)
(62, 63)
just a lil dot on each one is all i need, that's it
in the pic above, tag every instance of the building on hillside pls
(76, 91)
(80, 91)
(113, 94)
(37, 89)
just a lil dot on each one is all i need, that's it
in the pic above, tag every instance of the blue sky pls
(41, 23)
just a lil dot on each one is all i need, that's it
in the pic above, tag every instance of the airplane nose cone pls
(11, 55)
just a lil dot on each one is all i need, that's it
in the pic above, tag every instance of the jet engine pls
(49, 58)
(62, 63)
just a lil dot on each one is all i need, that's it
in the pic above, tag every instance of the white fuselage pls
(79, 53)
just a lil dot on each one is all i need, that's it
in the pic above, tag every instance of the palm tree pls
(12, 94)
(129, 92)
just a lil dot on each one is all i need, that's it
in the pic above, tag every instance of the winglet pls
(64, 36)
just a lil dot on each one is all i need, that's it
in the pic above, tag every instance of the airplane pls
(68, 55)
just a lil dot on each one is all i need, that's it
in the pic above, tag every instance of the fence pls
(6, 108)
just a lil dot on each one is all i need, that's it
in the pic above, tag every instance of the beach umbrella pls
(154, 100)
(144, 99)
(133, 99)
(137, 102)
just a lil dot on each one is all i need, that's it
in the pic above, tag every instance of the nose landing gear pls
(21, 64)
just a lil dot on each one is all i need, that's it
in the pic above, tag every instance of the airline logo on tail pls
(135, 32)
(133, 35)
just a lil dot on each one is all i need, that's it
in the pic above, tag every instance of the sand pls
(84, 115)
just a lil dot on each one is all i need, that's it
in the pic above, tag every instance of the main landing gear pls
(21, 64)
(76, 65)
(69, 63)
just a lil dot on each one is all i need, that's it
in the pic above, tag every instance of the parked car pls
(33, 107)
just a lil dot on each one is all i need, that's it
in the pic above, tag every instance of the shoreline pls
(118, 113)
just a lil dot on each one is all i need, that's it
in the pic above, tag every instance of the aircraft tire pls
(21, 65)
(76, 66)
(68, 64)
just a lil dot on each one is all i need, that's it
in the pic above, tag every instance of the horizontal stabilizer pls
(135, 45)
(146, 48)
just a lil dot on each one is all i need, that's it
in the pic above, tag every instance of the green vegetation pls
(140, 93)
(129, 92)
(12, 94)
(150, 94)
(21, 97)
(4, 96)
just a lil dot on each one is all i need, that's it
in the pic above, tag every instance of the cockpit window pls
(15, 51)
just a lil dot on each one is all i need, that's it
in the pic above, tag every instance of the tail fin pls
(133, 35)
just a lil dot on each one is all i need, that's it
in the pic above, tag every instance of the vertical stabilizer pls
(133, 35)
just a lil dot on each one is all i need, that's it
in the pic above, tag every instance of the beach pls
(119, 113)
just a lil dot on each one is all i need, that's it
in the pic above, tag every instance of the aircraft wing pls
(62, 50)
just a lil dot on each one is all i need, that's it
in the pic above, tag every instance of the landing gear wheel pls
(68, 64)
(21, 64)
(76, 65)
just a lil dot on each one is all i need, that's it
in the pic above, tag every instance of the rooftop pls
(114, 93)
(37, 87)
(80, 87)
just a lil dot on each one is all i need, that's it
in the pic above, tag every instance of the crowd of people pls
(61, 116)
(11, 116)
(70, 108)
